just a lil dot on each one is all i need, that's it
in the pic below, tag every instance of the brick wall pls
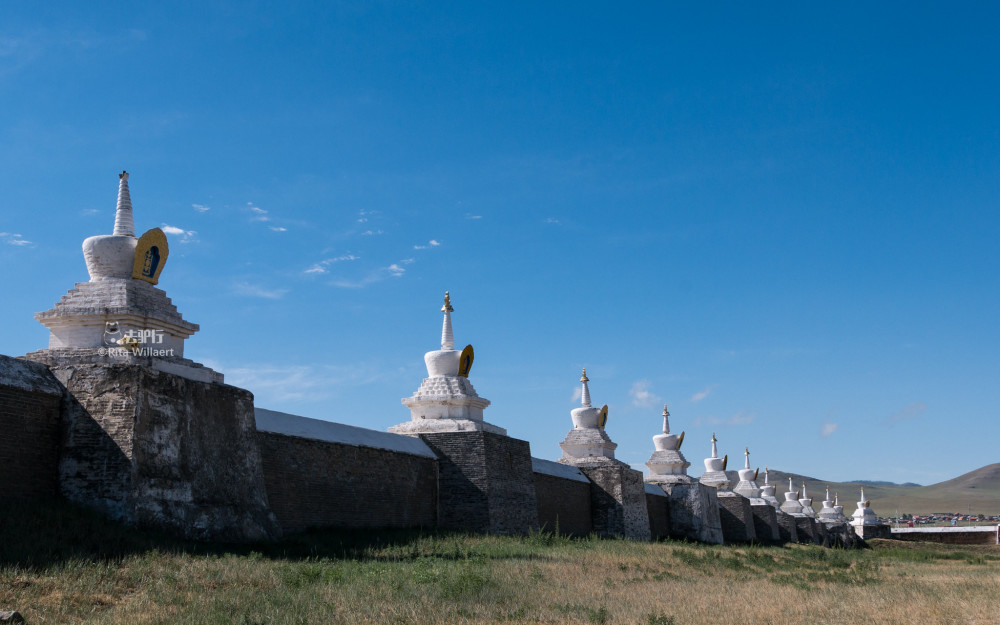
(951, 538)
(314, 483)
(30, 400)
(564, 504)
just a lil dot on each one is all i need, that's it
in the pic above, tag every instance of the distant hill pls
(878, 483)
(978, 491)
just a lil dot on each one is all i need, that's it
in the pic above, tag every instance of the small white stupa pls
(587, 442)
(807, 503)
(829, 514)
(119, 316)
(667, 465)
(839, 509)
(446, 400)
(747, 485)
(791, 504)
(767, 491)
(864, 515)
(715, 469)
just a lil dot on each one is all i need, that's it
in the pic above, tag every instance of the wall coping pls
(28, 376)
(556, 469)
(274, 422)
(653, 489)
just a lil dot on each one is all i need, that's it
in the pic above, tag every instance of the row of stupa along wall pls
(148, 436)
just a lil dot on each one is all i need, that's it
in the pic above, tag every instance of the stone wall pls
(314, 483)
(563, 496)
(989, 535)
(30, 401)
(617, 500)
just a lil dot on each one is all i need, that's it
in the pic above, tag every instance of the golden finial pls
(584, 378)
(747, 452)
(666, 413)
(713, 438)
(447, 303)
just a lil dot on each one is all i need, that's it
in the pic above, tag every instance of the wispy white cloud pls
(273, 385)
(87, 212)
(323, 266)
(577, 393)
(910, 411)
(471, 216)
(551, 220)
(201, 208)
(186, 236)
(14, 239)
(371, 233)
(827, 429)
(259, 214)
(254, 290)
(382, 273)
(279, 229)
(700, 395)
(430, 244)
(641, 395)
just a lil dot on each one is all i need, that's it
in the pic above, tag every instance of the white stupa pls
(829, 514)
(587, 442)
(791, 504)
(767, 491)
(839, 509)
(119, 316)
(864, 515)
(715, 469)
(446, 400)
(667, 465)
(807, 503)
(747, 485)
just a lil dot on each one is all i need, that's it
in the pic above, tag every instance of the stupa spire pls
(746, 464)
(715, 447)
(447, 336)
(766, 481)
(123, 212)
(585, 394)
(666, 420)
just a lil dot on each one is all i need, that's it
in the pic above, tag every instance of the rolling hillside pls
(979, 489)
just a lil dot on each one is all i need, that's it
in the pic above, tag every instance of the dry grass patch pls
(100, 573)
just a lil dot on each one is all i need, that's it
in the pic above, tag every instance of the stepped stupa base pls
(436, 426)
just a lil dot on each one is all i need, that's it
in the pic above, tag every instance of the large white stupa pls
(587, 442)
(119, 315)
(767, 491)
(747, 485)
(668, 465)
(715, 469)
(446, 400)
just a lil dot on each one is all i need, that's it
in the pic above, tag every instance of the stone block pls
(765, 522)
(658, 509)
(694, 511)
(30, 405)
(618, 499)
(485, 482)
(786, 527)
(163, 451)
(806, 528)
(737, 518)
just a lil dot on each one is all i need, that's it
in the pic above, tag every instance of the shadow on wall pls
(39, 532)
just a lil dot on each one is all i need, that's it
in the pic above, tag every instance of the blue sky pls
(781, 221)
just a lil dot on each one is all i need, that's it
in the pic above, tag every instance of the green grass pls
(62, 564)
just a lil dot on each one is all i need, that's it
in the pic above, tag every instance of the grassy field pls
(59, 564)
